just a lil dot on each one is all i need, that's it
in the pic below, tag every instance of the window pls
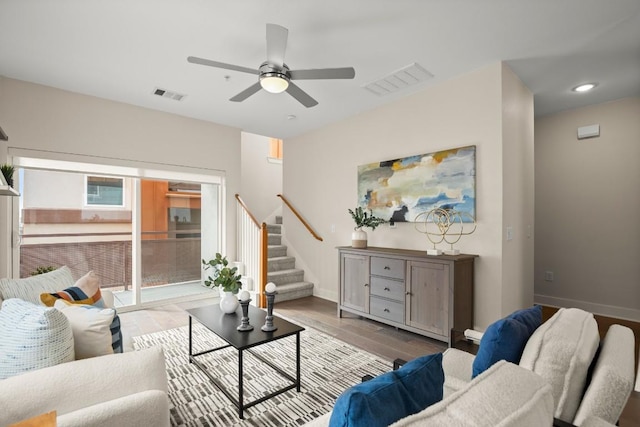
(275, 148)
(104, 191)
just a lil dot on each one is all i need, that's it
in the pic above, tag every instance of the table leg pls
(240, 387)
(190, 341)
(298, 362)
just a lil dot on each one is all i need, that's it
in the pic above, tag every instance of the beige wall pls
(518, 190)
(320, 178)
(261, 180)
(48, 120)
(587, 208)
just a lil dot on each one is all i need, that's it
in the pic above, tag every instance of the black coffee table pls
(224, 326)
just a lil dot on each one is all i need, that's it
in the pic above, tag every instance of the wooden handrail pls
(313, 233)
(244, 206)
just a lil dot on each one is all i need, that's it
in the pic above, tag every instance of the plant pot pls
(359, 239)
(228, 302)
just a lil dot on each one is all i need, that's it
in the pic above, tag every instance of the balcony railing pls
(174, 259)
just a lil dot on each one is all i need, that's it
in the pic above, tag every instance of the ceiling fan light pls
(274, 83)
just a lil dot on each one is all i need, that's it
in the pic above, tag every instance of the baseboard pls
(324, 294)
(601, 309)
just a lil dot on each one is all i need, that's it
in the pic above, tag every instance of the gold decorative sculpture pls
(448, 225)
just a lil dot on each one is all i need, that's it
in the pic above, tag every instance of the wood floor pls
(382, 340)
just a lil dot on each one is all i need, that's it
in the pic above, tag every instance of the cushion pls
(561, 351)
(33, 337)
(91, 328)
(530, 317)
(391, 396)
(87, 291)
(505, 395)
(612, 379)
(506, 338)
(30, 288)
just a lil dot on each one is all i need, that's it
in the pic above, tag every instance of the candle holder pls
(268, 321)
(244, 325)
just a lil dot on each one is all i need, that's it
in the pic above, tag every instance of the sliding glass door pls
(142, 235)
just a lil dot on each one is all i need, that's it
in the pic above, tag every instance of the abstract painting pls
(401, 189)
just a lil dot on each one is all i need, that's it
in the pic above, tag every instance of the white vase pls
(228, 302)
(359, 239)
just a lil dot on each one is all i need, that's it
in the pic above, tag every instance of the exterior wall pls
(320, 173)
(587, 209)
(52, 123)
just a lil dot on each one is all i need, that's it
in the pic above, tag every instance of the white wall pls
(587, 208)
(261, 180)
(320, 174)
(47, 120)
(518, 190)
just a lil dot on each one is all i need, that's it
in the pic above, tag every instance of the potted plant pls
(363, 219)
(7, 172)
(226, 279)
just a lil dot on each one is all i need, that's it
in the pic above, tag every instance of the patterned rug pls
(328, 367)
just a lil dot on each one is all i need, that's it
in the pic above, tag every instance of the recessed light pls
(291, 117)
(584, 87)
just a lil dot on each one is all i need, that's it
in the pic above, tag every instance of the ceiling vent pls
(405, 77)
(169, 94)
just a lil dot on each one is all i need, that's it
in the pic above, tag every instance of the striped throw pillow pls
(30, 288)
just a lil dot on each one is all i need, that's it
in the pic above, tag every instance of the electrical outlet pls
(509, 233)
(548, 276)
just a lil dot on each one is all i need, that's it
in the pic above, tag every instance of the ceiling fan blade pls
(210, 63)
(301, 96)
(276, 44)
(246, 93)
(323, 73)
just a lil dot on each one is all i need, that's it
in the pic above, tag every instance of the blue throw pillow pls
(530, 317)
(391, 396)
(506, 338)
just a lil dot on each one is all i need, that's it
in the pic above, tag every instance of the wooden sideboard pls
(426, 294)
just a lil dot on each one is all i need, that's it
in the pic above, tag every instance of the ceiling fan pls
(274, 75)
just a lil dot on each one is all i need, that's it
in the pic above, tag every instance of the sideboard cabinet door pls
(354, 277)
(428, 294)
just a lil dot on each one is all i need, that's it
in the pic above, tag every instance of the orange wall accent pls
(154, 208)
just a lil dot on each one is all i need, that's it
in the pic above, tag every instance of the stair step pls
(284, 277)
(274, 228)
(274, 239)
(278, 219)
(294, 291)
(274, 251)
(281, 263)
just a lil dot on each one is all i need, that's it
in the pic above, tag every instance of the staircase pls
(281, 268)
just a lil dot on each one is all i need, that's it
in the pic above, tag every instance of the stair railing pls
(302, 220)
(252, 241)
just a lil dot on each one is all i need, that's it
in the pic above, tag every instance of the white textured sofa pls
(123, 389)
(548, 386)
(128, 389)
(561, 351)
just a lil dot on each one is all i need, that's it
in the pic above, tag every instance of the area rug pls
(328, 367)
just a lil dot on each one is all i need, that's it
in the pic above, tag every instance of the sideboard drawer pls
(387, 288)
(387, 309)
(387, 267)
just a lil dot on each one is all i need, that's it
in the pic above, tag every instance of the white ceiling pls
(123, 49)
